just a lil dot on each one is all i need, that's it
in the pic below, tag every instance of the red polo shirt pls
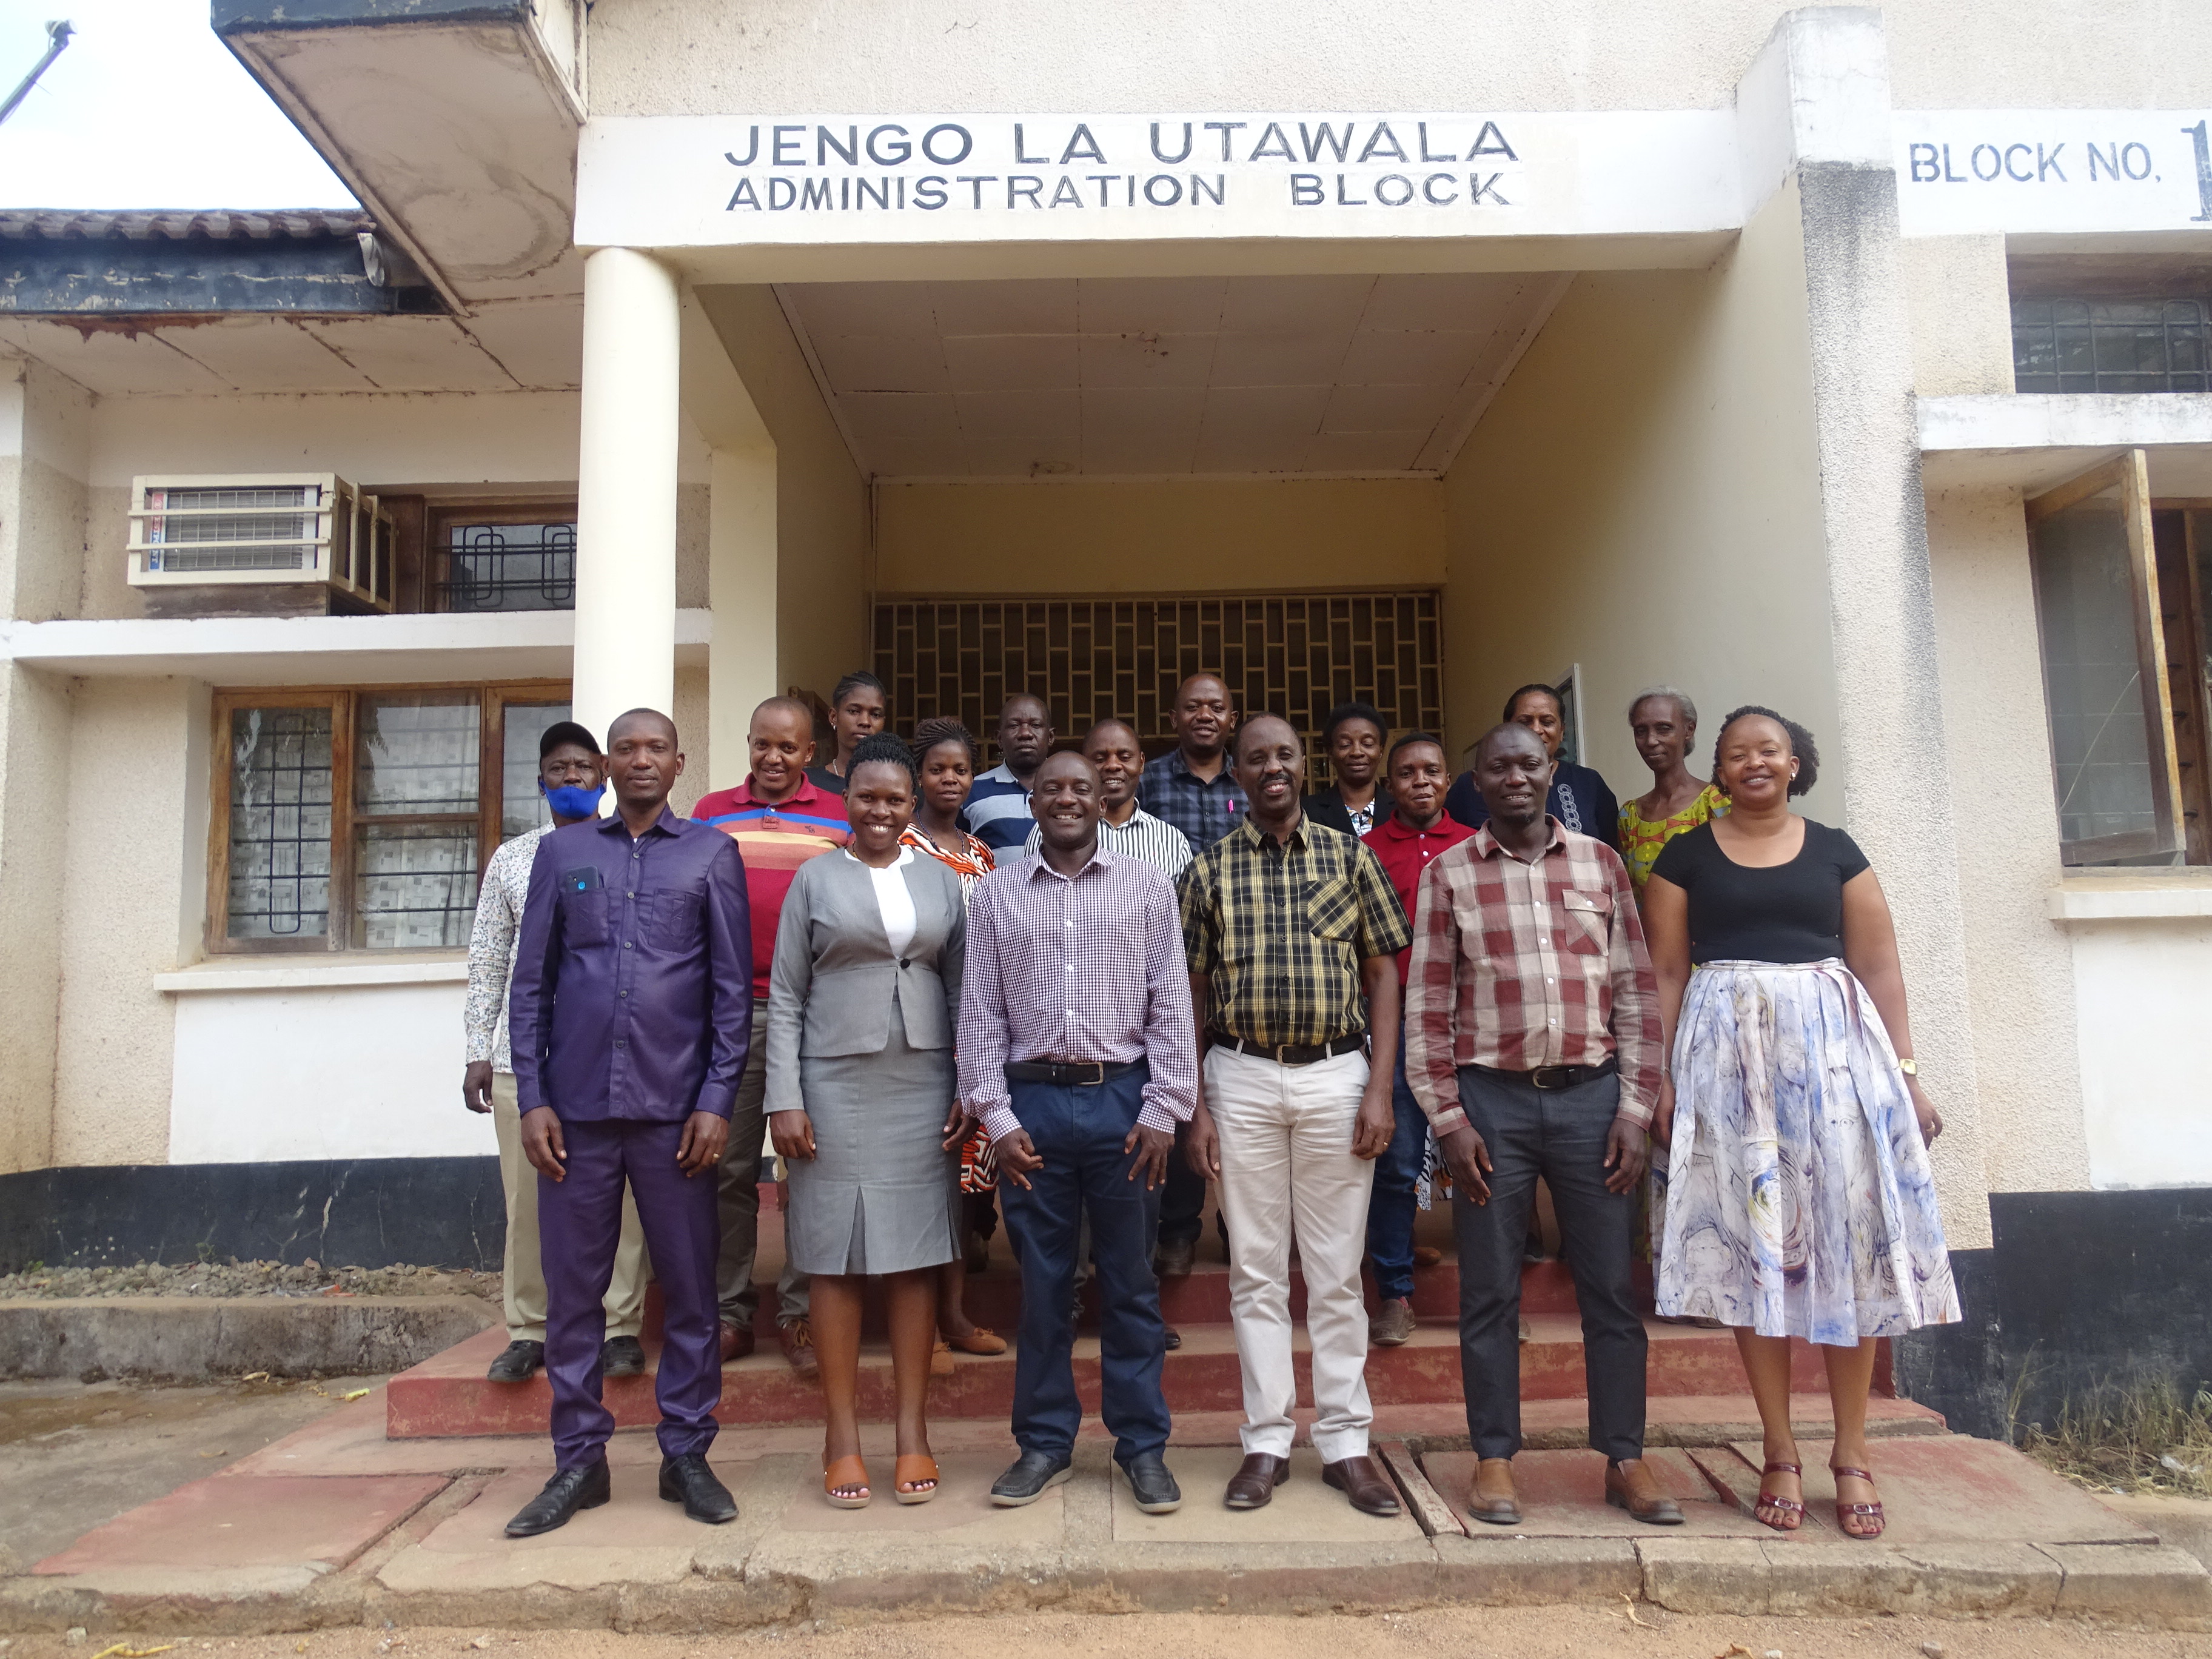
(775, 837)
(1404, 852)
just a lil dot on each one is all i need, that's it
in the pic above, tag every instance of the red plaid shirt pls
(1521, 965)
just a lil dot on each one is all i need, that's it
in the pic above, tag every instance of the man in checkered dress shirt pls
(1532, 1042)
(1077, 1052)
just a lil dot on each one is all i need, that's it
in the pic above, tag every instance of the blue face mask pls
(570, 801)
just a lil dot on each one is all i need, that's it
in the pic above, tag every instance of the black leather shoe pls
(688, 1480)
(622, 1356)
(568, 1491)
(517, 1363)
(1172, 1340)
(1156, 1489)
(1027, 1477)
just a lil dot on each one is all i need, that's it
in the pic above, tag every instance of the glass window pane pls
(415, 886)
(511, 567)
(280, 823)
(522, 808)
(2109, 345)
(417, 753)
(2100, 736)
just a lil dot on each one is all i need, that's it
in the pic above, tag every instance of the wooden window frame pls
(494, 697)
(2129, 472)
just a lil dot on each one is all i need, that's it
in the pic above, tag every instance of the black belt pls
(1295, 1053)
(1081, 1074)
(1556, 1077)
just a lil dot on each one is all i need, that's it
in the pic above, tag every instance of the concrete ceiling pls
(1155, 376)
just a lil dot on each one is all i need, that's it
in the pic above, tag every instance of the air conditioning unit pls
(283, 543)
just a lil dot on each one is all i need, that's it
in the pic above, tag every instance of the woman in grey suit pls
(864, 997)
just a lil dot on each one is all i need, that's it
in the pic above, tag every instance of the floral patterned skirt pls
(1798, 1200)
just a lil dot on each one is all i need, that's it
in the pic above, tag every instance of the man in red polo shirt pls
(1418, 777)
(780, 818)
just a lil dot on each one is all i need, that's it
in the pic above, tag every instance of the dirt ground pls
(1475, 1633)
(74, 1455)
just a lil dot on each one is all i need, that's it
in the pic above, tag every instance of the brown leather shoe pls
(737, 1341)
(1367, 1486)
(1492, 1498)
(1254, 1482)
(1630, 1485)
(798, 1340)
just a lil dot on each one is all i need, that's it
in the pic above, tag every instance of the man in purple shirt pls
(1077, 1055)
(630, 1009)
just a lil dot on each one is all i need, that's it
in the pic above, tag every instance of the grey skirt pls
(880, 1194)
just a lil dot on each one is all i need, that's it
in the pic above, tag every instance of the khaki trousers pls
(525, 1276)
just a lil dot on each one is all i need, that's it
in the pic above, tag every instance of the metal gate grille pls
(1296, 655)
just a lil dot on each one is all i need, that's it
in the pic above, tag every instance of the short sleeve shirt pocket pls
(1333, 908)
(1588, 930)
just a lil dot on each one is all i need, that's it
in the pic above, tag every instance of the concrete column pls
(626, 488)
(1813, 124)
(741, 588)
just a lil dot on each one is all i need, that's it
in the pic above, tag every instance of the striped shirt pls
(501, 896)
(1143, 836)
(1520, 965)
(998, 811)
(1087, 967)
(775, 838)
(971, 865)
(1279, 933)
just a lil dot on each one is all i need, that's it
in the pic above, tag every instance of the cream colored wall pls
(706, 57)
(2021, 985)
(1643, 498)
(34, 785)
(133, 892)
(2145, 1045)
(1958, 300)
(1159, 537)
(824, 530)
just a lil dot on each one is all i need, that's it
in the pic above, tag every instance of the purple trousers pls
(578, 1222)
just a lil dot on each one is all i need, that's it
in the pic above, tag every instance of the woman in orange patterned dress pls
(944, 755)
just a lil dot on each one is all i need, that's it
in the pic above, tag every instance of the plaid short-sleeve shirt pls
(1279, 931)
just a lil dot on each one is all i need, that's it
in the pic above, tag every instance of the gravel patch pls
(235, 1279)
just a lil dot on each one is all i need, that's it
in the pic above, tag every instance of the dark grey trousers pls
(1559, 1134)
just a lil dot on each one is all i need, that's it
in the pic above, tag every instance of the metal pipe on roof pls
(57, 38)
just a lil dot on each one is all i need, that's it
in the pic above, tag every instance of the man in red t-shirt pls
(1418, 777)
(780, 818)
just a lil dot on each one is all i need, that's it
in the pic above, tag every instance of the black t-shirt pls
(823, 778)
(1790, 912)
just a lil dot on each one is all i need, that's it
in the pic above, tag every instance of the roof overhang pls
(454, 123)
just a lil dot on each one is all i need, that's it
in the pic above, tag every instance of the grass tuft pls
(2136, 1437)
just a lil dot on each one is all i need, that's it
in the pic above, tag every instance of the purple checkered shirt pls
(1084, 968)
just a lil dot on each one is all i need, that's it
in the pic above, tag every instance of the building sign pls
(1968, 172)
(716, 180)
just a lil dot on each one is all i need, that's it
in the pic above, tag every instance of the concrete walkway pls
(336, 1525)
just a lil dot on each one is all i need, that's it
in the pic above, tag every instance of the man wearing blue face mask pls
(571, 774)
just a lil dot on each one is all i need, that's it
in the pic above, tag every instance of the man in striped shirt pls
(780, 817)
(1124, 826)
(997, 810)
(1532, 1042)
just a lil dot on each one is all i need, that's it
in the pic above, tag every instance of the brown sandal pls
(1862, 1512)
(980, 1340)
(1779, 1504)
(839, 1478)
(912, 1469)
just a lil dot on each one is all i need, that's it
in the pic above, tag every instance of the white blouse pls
(894, 903)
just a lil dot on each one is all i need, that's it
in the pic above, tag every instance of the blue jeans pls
(1390, 1209)
(1078, 1130)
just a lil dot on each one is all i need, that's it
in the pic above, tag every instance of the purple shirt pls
(1086, 968)
(632, 996)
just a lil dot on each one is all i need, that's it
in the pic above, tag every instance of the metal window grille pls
(416, 813)
(1295, 655)
(280, 823)
(509, 567)
(2111, 346)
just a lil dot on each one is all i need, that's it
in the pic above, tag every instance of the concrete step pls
(448, 1395)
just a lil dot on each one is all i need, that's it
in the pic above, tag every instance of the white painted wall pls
(329, 1072)
(2140, 992)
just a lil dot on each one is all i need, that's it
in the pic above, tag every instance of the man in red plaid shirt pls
(1532, 1042)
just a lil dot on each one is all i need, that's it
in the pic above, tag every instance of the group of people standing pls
(1093, 985)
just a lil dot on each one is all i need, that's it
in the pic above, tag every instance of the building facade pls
(1848, 362)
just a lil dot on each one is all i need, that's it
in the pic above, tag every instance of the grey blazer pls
(832, 981)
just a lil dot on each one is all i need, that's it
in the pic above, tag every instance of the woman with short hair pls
(859, 705)
(1799, 1201)
(863, 999)
(1355, 801)
(1579, 797)
(1664, 722)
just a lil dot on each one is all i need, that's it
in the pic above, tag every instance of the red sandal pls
(1862, 1512)
(1787, 1506)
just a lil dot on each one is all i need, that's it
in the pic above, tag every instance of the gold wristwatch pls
(1907, 1065)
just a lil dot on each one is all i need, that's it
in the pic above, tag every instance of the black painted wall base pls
(2081, 1292)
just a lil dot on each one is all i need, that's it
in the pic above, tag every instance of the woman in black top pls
(1353, 736)
(1579, 797)
(1799, 1197)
